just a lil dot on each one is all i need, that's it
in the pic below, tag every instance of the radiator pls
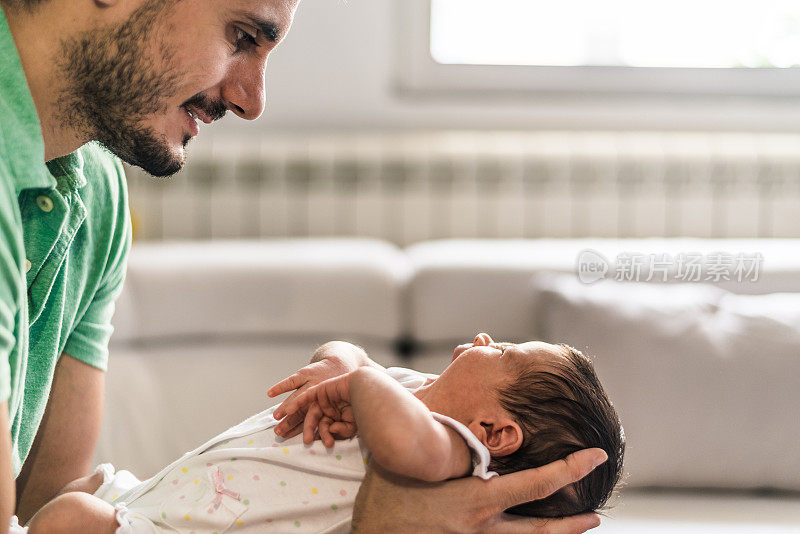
(416, 186)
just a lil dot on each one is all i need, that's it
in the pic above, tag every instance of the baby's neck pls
(441, 405)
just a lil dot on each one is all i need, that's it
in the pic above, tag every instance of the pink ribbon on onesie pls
(220, 488)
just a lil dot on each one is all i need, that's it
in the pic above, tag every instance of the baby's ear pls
(502, 437)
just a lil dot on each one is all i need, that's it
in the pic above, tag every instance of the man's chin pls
(152, 153)
(163, 171)
(161, 165)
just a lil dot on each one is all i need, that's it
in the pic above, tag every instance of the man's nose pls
(244, 91)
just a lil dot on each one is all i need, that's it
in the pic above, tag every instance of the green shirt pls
(64, 240)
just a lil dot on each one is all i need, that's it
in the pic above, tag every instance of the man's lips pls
(191, 122)
(199, 113)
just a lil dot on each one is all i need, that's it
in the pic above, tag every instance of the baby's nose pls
(482, 340)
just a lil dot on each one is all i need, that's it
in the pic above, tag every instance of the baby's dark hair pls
(562, 408)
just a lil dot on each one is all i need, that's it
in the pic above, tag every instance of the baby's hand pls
(300, 382)
(328, 410)
(328, 429)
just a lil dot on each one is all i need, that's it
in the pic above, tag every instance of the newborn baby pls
(497, 408)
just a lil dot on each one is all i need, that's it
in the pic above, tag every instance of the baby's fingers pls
(325, 432)
(312, 421)
(289, 424)
(292, 405)
(287, 384)
(291, 432)
(343, 429)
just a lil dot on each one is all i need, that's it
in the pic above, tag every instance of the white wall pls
(337, 71)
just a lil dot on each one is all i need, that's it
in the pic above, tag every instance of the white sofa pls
(203, 329)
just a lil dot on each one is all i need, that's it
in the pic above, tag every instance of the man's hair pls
(562, 408)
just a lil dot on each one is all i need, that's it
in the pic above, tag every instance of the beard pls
(114, 83)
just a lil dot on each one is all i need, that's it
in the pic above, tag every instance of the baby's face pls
(503, 358)
(480, 368)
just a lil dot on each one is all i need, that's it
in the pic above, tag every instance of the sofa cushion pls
(706, 382)
(461, 287)
(332, 287)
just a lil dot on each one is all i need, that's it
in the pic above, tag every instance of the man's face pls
(141, 84)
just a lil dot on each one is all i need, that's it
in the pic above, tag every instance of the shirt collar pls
(21, 143)
(68, 171)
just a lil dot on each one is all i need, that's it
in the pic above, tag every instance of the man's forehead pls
(276, 10)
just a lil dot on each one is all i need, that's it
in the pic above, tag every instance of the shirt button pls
(27, 265)
(45, 203)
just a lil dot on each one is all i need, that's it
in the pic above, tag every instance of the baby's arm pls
(400, 432)
(396, 427)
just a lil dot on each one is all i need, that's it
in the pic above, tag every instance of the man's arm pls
(386, 503)
(67, 436)
(6, 476)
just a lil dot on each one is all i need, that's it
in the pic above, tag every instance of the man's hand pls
(327, 408)
(386, 503)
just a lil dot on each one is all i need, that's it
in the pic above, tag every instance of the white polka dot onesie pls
(248, 480)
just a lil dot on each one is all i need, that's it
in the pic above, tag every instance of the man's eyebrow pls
(270, 29)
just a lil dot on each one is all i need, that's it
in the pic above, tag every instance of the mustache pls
(214, 109)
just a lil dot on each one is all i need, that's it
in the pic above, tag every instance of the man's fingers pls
(287, 384)
(514, 524)
(533, 484)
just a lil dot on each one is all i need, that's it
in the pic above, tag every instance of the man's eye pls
(244, 40)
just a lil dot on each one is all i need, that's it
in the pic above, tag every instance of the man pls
(135, 76)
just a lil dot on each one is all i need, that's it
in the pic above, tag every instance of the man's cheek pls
(202, 69)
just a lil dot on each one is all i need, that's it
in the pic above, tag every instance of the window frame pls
(420, 74)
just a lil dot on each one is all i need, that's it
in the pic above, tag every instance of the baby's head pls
(535, 403)
(562, 408)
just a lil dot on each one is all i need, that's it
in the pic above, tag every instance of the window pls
(694, 47)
